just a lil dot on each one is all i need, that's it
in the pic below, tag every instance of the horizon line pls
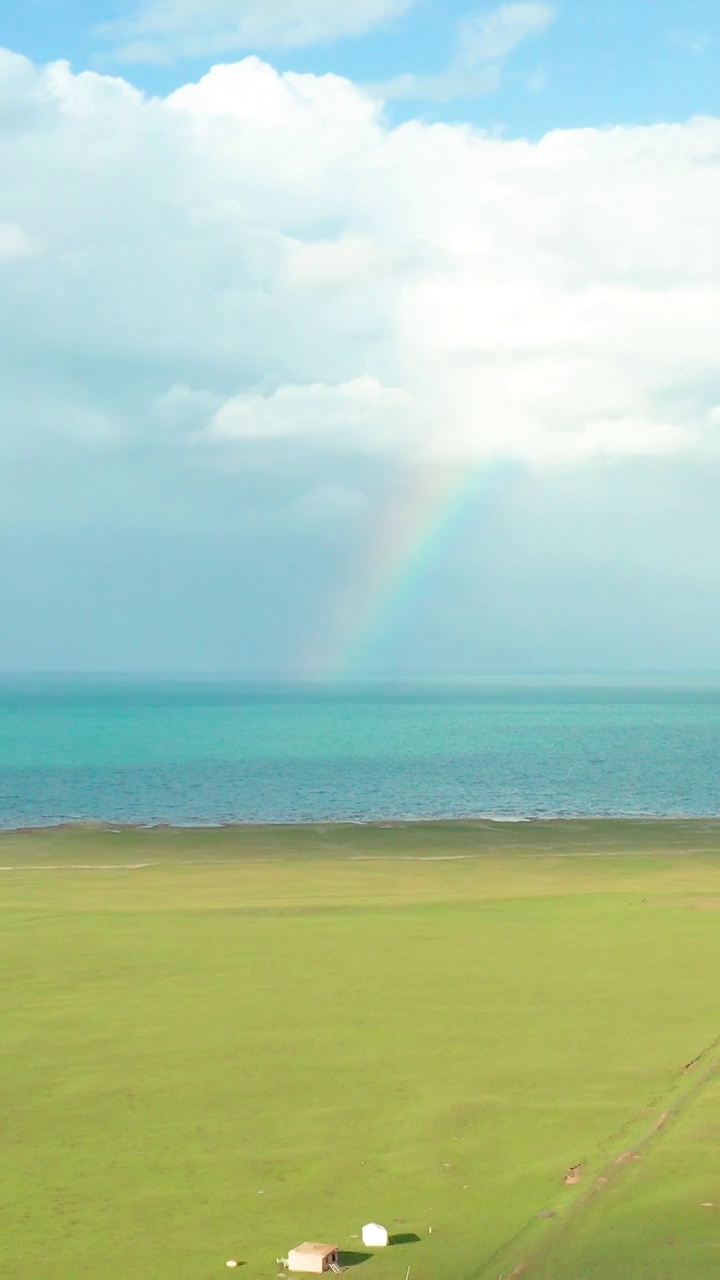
(330, 677)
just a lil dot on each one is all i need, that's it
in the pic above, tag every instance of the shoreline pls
(104, 827)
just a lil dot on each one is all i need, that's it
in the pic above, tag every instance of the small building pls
(375, 1236)
(313, 1258)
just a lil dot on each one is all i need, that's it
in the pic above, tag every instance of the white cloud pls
(164, 30)
(258, 258)
(15, 243)
(487, 37)
(335, 262)
(614, 437)
(182, 409)
(697, 42)
(456, 81)
(356, 413)
(483, 41)
(536, 81)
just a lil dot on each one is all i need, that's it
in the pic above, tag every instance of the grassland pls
(216, 1044)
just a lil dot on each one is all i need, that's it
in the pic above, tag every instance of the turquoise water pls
(223, 751)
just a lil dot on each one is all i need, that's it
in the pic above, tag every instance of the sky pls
(377, 337)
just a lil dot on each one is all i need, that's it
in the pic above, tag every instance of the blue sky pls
(595, 64)
(413, 368)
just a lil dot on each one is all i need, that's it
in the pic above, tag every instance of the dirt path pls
(531, 1246)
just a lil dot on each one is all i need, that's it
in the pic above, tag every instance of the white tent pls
(374, 1235)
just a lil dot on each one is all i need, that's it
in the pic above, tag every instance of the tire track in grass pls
(141, 866)
(637, 1138)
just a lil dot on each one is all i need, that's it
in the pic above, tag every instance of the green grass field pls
(218, 1044)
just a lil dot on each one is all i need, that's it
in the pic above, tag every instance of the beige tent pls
(313, 1258)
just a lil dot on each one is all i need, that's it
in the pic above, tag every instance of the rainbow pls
(418, 519)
